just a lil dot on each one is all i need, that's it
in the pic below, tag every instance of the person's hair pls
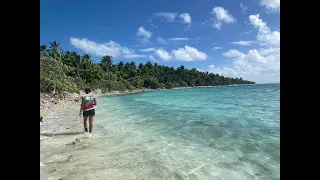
(87, 90)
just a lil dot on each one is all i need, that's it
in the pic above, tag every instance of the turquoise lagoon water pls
(227, 132)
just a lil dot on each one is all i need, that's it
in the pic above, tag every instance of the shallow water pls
(230, 132)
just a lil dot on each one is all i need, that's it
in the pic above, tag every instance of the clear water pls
(229, 132)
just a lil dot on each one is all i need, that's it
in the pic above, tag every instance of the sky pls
(234, 38)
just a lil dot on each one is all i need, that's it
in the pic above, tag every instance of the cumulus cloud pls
(163, 54)
(216, 48)
(243, 43)
(110, 48)
(247, 32)
(173, 16)
(189, 54)
(169, 16)
(255, 66)
(273, 5)
(233, 53)
(259, 65)
(181, 54)
(143, 32)
(186, 18)
(152, 58)
(221, 16)
(265, 36)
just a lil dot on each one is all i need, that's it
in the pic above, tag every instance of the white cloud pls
(161, 40)
(243, 43)
(110, 48)
(255, 66)
(259, 65)
(188, 54)
(172, 16)
(265, 36)
(169, 16)
(181, 54)
(163, 54)
(243, 7)
(143, 32)
(233, 53)
(216, 48)
(217, 25)
(178, 39)
(132, 56)
(147, 49)
(269, 51)
(247, 32)
(272, 38)
(153, 59)
(273, 5)
(222, 16)
(211, 68)
(186, 18)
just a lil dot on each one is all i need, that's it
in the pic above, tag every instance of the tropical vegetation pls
(69, 71)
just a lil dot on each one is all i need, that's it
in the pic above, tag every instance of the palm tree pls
(54, 50)
(43, 48)
(107, 60)
(55, 46)
(86, 56)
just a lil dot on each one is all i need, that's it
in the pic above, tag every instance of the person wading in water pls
(87, 107)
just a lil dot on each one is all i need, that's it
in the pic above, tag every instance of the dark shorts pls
(89, 113)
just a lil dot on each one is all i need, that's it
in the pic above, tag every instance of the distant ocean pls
(225, 132)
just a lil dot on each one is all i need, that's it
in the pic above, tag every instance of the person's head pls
(87, 90)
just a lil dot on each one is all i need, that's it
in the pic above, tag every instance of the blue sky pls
(237, 38)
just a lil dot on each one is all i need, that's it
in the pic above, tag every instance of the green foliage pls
(53, 76)
(138, 82)
(69, 71)
(183, 84)
(169, 85)
(131, 88)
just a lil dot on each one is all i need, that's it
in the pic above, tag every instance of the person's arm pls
(81, 107)
(94, 102)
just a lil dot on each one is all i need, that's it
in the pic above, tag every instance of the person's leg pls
(91, 123)
(91, 117)
(85, 123)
